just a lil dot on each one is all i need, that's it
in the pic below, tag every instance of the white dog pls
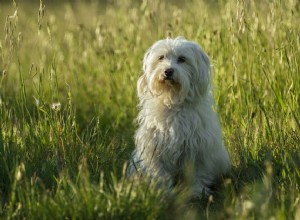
(179, 137)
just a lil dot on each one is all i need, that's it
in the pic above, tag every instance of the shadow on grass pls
(250, 173)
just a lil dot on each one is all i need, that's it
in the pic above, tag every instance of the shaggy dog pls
(179, 137)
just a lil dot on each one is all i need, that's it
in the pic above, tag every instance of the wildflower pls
(56, 106)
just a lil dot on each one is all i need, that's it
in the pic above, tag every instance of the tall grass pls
(68, 100)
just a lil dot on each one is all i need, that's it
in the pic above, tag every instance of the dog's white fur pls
(179, 136)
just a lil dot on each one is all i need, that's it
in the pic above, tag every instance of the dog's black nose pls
(169, 72)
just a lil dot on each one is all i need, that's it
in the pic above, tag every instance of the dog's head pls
(175, 69)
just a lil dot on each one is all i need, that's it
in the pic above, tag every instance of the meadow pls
(68, 73)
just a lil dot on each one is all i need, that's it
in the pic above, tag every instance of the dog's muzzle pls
(168, 74)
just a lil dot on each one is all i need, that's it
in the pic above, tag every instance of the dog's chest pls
(174, 128)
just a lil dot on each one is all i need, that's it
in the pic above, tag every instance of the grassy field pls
(68, 100)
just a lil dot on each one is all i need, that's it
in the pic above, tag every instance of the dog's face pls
(175, 69)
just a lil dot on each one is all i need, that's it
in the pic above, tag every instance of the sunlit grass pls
(68, 101)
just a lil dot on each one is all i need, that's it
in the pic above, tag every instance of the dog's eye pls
(181, 59)
(161, 57)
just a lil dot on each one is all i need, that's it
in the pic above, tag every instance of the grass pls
(68, 100)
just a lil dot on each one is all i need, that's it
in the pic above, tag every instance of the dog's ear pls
(142, 81)
(204, 69)
(145, 60)
(142, 85)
